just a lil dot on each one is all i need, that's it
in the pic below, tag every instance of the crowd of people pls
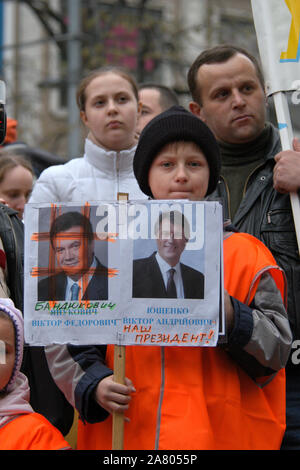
(244, 394)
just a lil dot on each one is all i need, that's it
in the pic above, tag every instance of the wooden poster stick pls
(119, 377)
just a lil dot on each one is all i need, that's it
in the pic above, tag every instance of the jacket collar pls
(108, 160)
(263, 176)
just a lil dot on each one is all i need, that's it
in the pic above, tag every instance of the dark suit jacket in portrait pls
(147, 280)
(54, 287)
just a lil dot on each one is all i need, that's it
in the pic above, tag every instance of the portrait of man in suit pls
(162, 275)
(78, 274)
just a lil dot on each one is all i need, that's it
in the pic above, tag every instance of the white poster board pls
(122, 297)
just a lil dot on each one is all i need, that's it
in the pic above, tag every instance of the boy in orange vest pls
(20, 427)
(226, 397)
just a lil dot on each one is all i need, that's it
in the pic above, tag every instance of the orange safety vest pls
(198, 397)
(31, 431)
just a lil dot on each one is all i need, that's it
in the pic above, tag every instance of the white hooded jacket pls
(97, 176)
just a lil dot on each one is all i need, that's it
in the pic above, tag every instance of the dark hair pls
(72, 219)
(217, 55)
(122, 72)
(167, 96)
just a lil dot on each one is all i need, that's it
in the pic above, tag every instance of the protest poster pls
(111, 249)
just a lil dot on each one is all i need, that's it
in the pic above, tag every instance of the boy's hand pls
(112, 396)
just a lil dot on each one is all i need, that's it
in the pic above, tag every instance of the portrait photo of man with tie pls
(76, 273)
(163, 275)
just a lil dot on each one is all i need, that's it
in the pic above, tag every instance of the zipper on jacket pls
(269, 217)
(228, 196)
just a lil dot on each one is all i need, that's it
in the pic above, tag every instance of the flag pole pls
(286, 137)
(273, 30)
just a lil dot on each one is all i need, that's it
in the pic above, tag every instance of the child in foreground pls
(226, 397)
(20, 427)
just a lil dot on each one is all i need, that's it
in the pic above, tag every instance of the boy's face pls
(179, 171)
(7, 341)
(151, 107)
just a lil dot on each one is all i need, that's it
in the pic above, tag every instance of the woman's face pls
(16, 187)
(7, 351)
(111, 111)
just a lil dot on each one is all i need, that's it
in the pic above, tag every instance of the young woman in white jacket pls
(109, 108)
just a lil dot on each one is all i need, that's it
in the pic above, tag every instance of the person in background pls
(225, 397)
(109, 108)
(45, 396)
(39, 158)
(228, 92)
(20, 427)
(16, 181)
(155, 99)
(11, 132)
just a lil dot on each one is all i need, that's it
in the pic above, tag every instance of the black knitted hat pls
(175, 124)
